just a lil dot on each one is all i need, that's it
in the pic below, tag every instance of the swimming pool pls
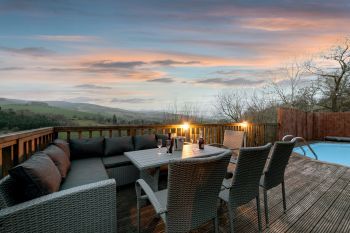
(328, 152)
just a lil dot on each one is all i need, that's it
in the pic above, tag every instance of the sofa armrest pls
(86, 208)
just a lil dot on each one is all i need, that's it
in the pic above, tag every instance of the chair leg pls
(258, 210)
(284, 198)
(231, 212)
(216, 224)
(266, 209)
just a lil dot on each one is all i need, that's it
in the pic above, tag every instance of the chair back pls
(193, 190)
(234, 139)
(245, 182)
(274, 173)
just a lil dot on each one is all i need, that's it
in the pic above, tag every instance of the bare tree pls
(333, 72)
(261, 108)
(286, 83)
(178, 113)
(231, 104)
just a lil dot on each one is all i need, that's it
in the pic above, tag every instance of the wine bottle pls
(201, 141)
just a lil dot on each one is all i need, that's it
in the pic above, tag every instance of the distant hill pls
(82, 113)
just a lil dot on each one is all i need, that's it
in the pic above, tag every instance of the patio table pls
(149, 161)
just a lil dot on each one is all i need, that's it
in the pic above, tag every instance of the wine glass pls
(168, 145)
(159, 145)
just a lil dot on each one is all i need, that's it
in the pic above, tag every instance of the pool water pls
(329, 152)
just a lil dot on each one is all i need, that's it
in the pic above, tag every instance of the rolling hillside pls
(81, 113)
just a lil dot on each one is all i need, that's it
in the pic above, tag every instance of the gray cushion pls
(118, 145)
(37, 176)
(84, 171)
(60, 159)
(164, 137)
(63, 145)
(116, 161)
(143, 142)
(86, 148)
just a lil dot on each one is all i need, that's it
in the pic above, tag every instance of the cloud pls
(116, 65)
(11, 68)
(231, 82)
(162, 80)
(287, 24)
(170, 62)
(66, 38)
(81, 99)
(92, 86)
(29, 51)
(132, 100)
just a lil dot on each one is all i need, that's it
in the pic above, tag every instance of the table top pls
(145, 159)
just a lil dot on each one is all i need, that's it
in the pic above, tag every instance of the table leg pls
(151, 176)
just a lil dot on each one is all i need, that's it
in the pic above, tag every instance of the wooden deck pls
(318, 200)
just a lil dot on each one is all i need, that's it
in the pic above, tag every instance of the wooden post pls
(6, 160)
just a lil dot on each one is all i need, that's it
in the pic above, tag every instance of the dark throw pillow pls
(63, 145)
(60, 159)
(164, 137)
(143, 142)
(86, 148)
(118, 145)
(36, 176)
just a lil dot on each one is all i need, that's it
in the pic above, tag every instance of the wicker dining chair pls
(192, 194)
(233, 140)
(244, 186)
(274, 173)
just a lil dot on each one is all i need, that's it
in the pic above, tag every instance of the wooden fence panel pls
(313, 125)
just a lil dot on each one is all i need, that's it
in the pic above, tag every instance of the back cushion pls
(86, 148)
(118, 145)
(143, 142)
(63, 145)
(36, 176)
(60, 159)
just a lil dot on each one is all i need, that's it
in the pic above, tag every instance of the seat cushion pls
(143, 142)
(84, 171)
(37, 176)
(86, 148)
(60, 159)
(118, 145)
(116, 161)
(63, 145)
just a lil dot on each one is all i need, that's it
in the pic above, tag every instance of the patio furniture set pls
(71, 187)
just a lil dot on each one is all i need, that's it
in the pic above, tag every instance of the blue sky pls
(147, 54)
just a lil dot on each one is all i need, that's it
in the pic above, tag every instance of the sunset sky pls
(145, 54)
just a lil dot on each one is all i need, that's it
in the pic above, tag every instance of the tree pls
(261, 108)
(178, 113)
(287, 82)
(114, 119)
(231, 105)
(333, 73)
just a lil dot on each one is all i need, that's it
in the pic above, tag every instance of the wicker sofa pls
(86, 200)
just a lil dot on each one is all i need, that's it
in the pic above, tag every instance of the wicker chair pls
(274, 173)
(244, 186)
(233, 140)
(192, 194)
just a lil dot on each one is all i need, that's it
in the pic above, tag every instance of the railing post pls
(6, 160)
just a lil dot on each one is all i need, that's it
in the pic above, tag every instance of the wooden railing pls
(16, 147)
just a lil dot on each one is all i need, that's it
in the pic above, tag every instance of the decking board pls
(318, 200)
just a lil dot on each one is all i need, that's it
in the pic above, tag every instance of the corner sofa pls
(85, 198)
